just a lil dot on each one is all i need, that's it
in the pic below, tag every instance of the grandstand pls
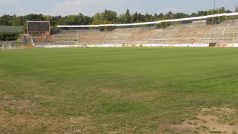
(187, 32)
(225, 33)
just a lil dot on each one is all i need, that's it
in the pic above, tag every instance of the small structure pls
(39, 30)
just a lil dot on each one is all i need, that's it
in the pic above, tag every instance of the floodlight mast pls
(214, 5)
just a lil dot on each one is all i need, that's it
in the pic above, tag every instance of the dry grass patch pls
(210, 120)
(129, 95)
(44, 97)
(20, 116)
(26, 123)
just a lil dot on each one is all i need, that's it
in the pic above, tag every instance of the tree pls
(148, 17)
(163, 25)
(140, 17)
(97, 19)
(135, 17)
(4, 20)
(85, 20)
(180, 15)
(169, 15)
(107, 17)
(35, 17)
(128, 16)
(217, 20)
(160, 16)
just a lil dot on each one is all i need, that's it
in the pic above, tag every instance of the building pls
(39, 30)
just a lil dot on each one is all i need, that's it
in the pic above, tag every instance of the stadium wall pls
(125, 45)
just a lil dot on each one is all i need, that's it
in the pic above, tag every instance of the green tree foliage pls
(106, 17)
(163, 25)
(180, 15)
(216, 20)
(35, 17)
(127, 17)
(9, 20)
(8, 37)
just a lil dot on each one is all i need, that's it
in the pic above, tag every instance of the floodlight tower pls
(213, 19)
(214, 5)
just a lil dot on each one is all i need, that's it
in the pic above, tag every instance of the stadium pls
(175, 73)
(185, 32)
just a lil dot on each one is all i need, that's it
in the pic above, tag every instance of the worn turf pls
(122, 90)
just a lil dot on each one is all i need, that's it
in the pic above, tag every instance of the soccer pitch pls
(119, 90)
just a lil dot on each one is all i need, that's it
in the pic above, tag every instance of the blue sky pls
(90, 7)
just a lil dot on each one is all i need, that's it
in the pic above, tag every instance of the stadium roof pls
(38, 21)
(150, 23)
(11, 29)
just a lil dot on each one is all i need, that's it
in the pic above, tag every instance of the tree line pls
(106, 17)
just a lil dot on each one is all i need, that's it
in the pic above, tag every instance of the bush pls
(212, 44)
(107, 28)
(8, 37)
(163, 25)
(216, 20)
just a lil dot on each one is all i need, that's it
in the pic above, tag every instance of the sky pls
(90, 7)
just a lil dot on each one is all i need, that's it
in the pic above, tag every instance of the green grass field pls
(114, 90)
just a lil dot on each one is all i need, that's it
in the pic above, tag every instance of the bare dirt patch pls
(209, 121)
(9, 104)
(25, 123)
